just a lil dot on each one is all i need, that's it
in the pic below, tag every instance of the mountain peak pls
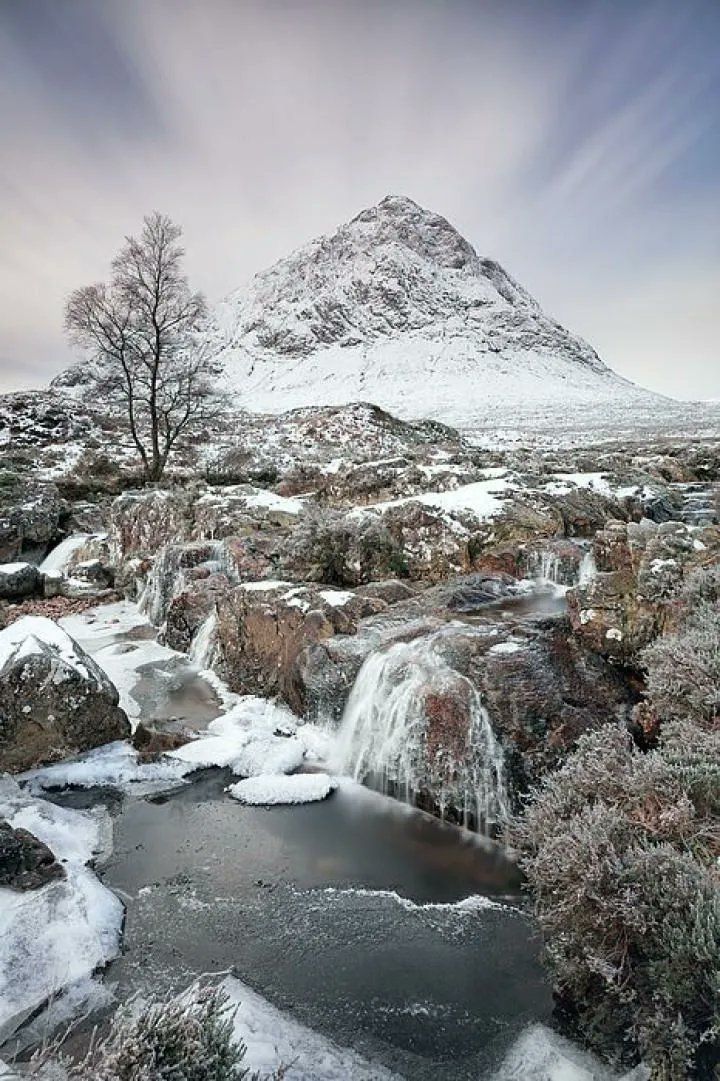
(400, 219)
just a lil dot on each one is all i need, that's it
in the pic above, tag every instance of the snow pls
(245, 740)
(271, 501)
(270, 790)
(55, 936)
(32, 634)
(58, 560)
(274, 1039)
(506, 647)
(435, 322)
(336, 598)
(115, 765)
(540, 1054)
(269, 583)
(484, 498)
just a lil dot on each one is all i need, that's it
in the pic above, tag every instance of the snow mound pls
(541, 1055)
(56, 936)
(274, 1039)
(268, 791)
(37, 634)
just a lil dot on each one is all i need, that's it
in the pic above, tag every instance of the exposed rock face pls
(55, 701)
(641, 568)
(25, 862)
(30, 514)
(263, 629)
(19, 580)
(142, 522)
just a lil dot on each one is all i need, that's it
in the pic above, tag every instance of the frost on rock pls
(56, 936)
(270, 790)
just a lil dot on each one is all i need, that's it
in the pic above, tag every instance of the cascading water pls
(204, 643)
(547, 566)
(167, 577)
(416, 728)
(588, 568)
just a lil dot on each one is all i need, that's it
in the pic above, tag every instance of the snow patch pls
(271, 790)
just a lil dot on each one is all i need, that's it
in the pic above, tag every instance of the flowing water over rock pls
(414, 726)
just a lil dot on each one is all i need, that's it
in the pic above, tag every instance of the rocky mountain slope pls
(398, 309)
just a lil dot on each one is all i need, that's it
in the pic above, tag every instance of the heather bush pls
(683, 669)
(620, 848)
(185, 1039)
(342, 550)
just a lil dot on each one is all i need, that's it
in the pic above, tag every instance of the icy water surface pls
(343, 913)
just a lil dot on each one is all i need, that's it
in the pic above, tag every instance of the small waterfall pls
(547, 566)
(417, 729)
(587, 569)
(203, 645)
(167, 577)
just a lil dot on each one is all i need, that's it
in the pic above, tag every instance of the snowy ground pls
(57, 936)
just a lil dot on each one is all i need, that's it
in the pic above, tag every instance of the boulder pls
(19, 580)
(142, 522)
(25, 862)
(633, 597)
(30, 515)
(264, 627)
(55, 701)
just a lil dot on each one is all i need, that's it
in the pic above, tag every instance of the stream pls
(371, 922)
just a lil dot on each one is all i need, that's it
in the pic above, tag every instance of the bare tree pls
(142, 332)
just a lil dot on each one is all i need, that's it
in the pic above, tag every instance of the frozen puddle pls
(375, 926)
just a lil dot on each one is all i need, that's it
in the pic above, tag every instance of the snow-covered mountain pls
(396, 308)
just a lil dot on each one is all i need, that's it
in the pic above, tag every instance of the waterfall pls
(167, 577)
(202, 647)
(588, 568)
(545, 566)
(417, 729)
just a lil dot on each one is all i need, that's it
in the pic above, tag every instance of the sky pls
(575, 141)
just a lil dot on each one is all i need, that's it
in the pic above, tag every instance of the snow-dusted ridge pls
(397, 308)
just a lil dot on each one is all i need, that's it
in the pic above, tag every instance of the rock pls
(30, 514)
(25, 862)
(19, 580)
(264, 627)
(632, 598)
(55, 701)
(142, 522)
(151, 741)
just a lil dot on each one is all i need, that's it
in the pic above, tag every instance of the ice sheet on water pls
(274, 1039)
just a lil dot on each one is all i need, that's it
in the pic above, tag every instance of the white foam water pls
(417, 729)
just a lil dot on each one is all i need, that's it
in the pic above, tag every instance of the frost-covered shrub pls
(186, 1039)
(620, 848)
(683, 669)
(342, 550)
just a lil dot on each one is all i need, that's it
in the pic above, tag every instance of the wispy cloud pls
(577, 142)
